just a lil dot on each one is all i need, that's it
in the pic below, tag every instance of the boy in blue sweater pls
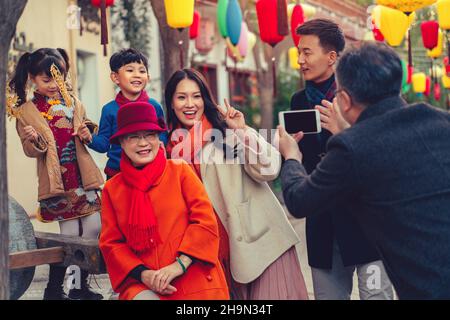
(129, 70)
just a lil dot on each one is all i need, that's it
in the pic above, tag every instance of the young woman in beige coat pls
(234, 162)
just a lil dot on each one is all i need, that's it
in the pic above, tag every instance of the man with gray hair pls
(392, 166)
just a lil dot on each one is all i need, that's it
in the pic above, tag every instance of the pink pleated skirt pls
(282, 280)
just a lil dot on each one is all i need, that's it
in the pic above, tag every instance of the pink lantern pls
(205, 40)
(437, 91)
(428, 87)
(243, 41)
(194, 28)
(297, 19)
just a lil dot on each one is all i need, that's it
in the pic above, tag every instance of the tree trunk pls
(170, 38)
(10, 12)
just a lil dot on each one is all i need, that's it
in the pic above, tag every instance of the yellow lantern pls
(180, 13)
(443, 9)
(293, 58)
(437, 52)
(392, 23)
(446, 81)
(309, 10)
(406, 6)
(419, 81)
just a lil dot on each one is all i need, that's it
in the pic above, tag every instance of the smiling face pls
(132, 79)
(141, 147)
(316, 63)
(45, 85)
(187, 103)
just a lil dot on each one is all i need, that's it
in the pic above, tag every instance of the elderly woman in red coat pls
(159, 234)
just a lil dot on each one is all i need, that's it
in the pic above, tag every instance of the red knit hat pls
(137, 116)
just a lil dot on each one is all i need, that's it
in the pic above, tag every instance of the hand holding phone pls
(307, 121)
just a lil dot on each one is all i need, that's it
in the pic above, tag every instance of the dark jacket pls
(322, 229)
(393, 167)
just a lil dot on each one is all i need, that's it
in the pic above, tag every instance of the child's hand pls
(84, 134)
(31, 134)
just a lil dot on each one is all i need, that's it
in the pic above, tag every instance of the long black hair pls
(38, 62)
(211, 109)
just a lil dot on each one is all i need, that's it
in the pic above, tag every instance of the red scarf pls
(142, 224)
(121, 99)
(190, 143)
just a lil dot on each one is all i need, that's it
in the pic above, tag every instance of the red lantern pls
(447, 66)
(437, 91)
(377, 32)
(283, 24)
(194, 28)
(103, 4)
(410, 73)
(268, 21)
(428, 87)
(430, 34)
(297, 19)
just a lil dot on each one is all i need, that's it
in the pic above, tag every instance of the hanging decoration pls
(427, 86)
(103, 4)
(243, 41)
(269, 18)
(293, 58)
(195, 27)
(283, 23)
(204, 43)
(446, 81)
(443, 10)
(234, 21)
(251, 40)
(430, 34)
(406, 6)
(447, 65)
(222, 7)
(297, 19)
(309, 10)
(179, 15)
(419, 82)
(392, 23)
(436, 52)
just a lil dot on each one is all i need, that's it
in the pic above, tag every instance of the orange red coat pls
(186, 224)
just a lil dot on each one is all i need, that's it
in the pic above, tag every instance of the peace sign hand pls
(234, 118)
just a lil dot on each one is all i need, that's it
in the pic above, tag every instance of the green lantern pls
(222, 8)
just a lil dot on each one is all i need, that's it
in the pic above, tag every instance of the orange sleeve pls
(119, 258)
(201, 239)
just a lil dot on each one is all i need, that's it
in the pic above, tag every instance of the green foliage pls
(288, 82)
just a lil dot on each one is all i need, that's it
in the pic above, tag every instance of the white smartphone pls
(307, 121)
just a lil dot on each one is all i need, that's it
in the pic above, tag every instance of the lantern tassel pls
(104, 27)
(410, 61)
(274, 77)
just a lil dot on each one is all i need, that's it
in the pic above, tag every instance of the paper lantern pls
(437, 51)
(430, 34)
(378, 36)
(222, 7)
(103, 4)
(268, 21)
(180, 14)
(443, 10)
(283, 22)
(447, 66)
(405, 73)
(204, 43)
(427, 86)
(309, 10)
(446, 81)
(392, 23)
(243, 41)
(406, 6)
(234, 21)
(293, 58)
(251, 40)
(419, 82)
(195, 27)
(437, 91)
(406, 88)
(297, 19)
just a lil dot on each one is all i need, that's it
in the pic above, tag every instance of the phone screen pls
(300, 121)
